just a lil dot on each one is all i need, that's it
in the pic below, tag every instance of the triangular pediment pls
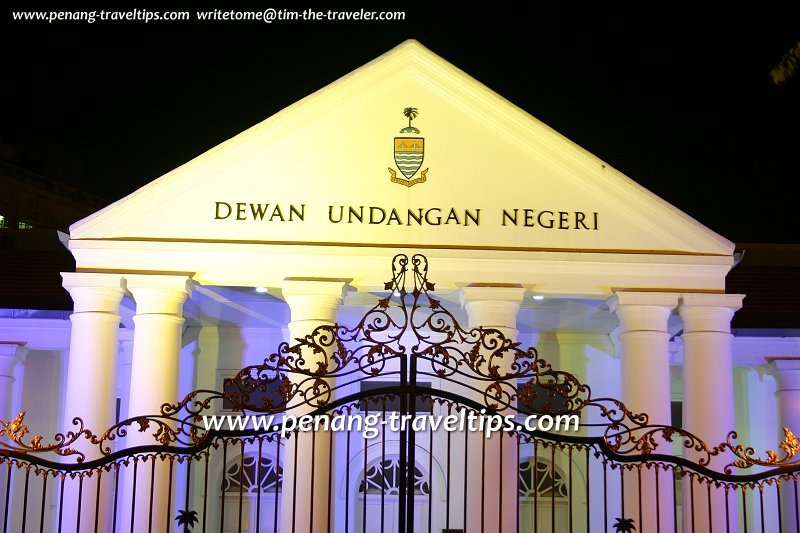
(495, 177)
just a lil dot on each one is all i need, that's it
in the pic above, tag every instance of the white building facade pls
(293, 225)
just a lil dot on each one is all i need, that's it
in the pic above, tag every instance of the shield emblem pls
(408, 154)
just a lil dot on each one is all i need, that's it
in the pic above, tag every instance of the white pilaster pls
(787, 379)
(11, 354)
(708, 385)
(787, 391)
(313, 303)
(644, 357)
(155, 370)
(494, 464)
(91, 377)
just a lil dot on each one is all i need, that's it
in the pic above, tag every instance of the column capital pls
(94, 292)
(492, 306)
(313, 299)
(643, 311)
(11, 354)
(655, 299)
(709, 312)
(786, 371)
(159, 294)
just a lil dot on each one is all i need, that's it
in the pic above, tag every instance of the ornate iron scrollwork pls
(408, 323)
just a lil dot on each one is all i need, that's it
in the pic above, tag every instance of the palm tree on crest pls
(410, 113)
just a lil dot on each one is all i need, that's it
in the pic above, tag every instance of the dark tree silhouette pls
(187, 519)
(624, 525)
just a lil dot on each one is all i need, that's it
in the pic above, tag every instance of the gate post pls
(91, 383)
(493, 501)
(644, 358)
(307, 456)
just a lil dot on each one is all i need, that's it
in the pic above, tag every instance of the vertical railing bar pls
(330, 477)
(588, 494)
(553, 492)
(761, 502)
(169, 492)
(727, 509)
(80, 501)
(258, 483)
(519, 453)
(674, 498)
(710, 513)
(430, 476)
(605, 495)
(412, 446)
(222, 487)
(205, 485)
(449, 479)
(796, 506)
(186, 502)
(535, 484)
(658, 498)
(500, 487)
(483, 482)
(8, 496)
(346, 483)
(383, 462)
(622, 490)
(60, 502)
(116, 498)
(639, 488)
(25, 497)
(313, 481)
(278, 462)
(744, 508)
(691, 497)
(364, 476)
(404, 452)
(569, 488)
(778, 498)
(294, 485)
(241, 482)
(44, 500)
(97, 500)
(152, 493)
(466, 476)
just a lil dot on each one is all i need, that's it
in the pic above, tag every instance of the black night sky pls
(681, 102)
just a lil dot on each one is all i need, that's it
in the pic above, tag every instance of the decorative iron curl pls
(16, 430)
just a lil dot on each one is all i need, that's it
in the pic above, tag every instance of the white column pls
(494, 462)
(787, 391)
(644, 357)
(708, 404)
(11, 354)
(158, 326)
(312, 304)
(91, 383)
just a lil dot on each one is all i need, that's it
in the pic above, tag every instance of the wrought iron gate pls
(407, 359)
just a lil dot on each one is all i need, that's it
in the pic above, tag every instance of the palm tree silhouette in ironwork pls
(410, 113)
(624, 525)
(187, 519)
